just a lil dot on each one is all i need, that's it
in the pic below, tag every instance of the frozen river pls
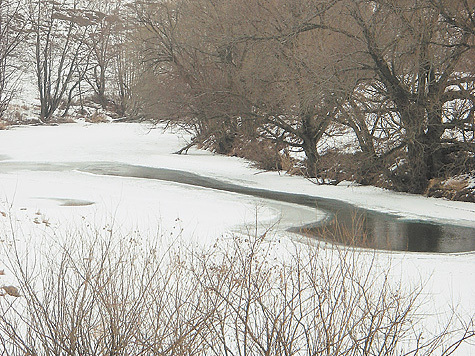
(370, 229)
(56, 178)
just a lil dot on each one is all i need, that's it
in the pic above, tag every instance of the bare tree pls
(421, 64)
(190, 86)
(60, 31)
(292, 78)
(112, 62)
(237, 65)
(12, 26)
(399, 75)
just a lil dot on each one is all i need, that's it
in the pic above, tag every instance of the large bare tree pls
(422, 68)
(60, 30)
(242, 64)
(111, 60)
(399, 74)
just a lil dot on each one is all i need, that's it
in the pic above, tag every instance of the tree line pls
(75, 48)
(269, 79)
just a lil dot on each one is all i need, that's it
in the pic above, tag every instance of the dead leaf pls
(11, 290)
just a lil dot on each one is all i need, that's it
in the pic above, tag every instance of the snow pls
(58, 199)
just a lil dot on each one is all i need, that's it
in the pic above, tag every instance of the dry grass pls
(451, 184)
(96, 118)
(455, 188)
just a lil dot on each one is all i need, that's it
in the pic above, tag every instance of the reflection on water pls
(387, 232)
(347, 224)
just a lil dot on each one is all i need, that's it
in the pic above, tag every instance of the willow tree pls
(398, 72)
(421, 64)
(243, 64)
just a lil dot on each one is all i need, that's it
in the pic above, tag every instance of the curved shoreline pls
(367, 228)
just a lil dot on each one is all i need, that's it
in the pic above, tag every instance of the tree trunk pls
(310, 150)
(423, 147)
(418, 172)
(100, 79)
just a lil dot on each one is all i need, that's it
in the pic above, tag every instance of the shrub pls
(104, 293)
(97, 118)
(263, 153)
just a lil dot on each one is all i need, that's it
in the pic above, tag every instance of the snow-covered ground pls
(59, 199)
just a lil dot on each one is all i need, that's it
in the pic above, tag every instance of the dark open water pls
(368, 229)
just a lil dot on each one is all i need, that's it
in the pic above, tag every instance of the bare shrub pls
(454, 188)
(100, 295)
(335, 166)
(265, 154)
(96, 118)
(105, 293)
(316, 303)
